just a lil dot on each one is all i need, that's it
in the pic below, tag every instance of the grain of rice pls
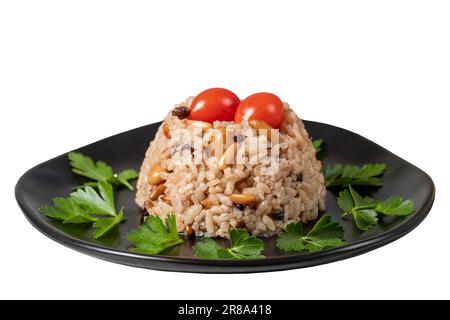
(191, 213)
(269, 223)
(209, 223)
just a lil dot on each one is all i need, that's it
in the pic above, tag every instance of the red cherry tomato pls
(261, 106)
(214, 104)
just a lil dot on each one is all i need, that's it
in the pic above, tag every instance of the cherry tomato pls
(214, 104)
(261, 106)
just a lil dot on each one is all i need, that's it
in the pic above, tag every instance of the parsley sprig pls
(242, 246)
(86, 167)
(85, 206)
(367, 175)
(325, 234)
(154, 237)
(318, 145)
(365, 210)
(93, 202)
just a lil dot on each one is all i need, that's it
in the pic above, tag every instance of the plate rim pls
(277, 263)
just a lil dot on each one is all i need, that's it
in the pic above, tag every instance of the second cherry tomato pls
(214, 104)
(261, 106)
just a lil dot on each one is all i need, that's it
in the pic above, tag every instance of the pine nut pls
(261, 127)
(227, 156)
(157, 192)
(166, 130)
(223, 131)
(148, 205)
(166, 199)
(242, 198)
(153, 177)
(201, 124)
(207, 203)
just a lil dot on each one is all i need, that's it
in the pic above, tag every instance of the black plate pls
(54, 178)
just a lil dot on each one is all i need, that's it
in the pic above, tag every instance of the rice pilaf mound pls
(210, 197)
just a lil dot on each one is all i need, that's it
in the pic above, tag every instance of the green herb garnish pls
(154, 237)
(67, 211)
(242, 246)
(86, 167)
(367, 175)
(87, 206)
(325, 234)
(365, 210)
(317, 145)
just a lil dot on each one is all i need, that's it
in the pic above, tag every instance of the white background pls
(73, 72)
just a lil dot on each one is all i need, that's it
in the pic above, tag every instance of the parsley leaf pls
(153, 236)
(325, 234)
(67, 211)
(317, 145)
(350, 199)
(365, 219)
(346, 202)
(365, 210)
(96, 203)
(242, 246)
(367, 175)
(86, 167)
(361, 208)
(83, 204)
(125, 176)
(396, 206)
(207, 248)
(291, 238)
(104, 225)
(361, 201)
(331, 173)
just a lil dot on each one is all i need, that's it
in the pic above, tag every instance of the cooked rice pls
(296, 189)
